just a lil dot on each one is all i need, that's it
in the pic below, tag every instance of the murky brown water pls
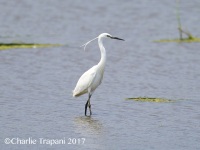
(36, 84)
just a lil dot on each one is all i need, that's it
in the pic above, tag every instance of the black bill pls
(117, 38)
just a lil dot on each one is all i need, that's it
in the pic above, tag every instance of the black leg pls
(86, 105)
(90, 108)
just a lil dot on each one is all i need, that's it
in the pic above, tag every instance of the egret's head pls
(103, 35)
(107, 35)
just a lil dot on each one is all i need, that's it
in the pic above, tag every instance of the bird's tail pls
(77, 93)
(73, 93)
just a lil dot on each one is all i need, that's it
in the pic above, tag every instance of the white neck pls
(103, 54)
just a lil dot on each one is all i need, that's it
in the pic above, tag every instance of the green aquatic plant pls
(150, 99)
(180, 29)
(5, 46)
(189, 39)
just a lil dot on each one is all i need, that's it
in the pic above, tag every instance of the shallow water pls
(36, 84)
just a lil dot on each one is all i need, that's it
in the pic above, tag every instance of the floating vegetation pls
(189, 37)
(4, 46)
(186, 40)
(150, 99)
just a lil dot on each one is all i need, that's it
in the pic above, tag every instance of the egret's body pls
(92, 78)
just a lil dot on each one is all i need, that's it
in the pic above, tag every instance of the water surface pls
(36, 84)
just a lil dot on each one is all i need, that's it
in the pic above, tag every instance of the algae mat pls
(184, 40)
(151, 99)
(5, 46)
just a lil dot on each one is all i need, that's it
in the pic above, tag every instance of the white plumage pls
(92, 78)
(89, 81)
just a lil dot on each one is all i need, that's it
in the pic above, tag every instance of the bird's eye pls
(108, 35)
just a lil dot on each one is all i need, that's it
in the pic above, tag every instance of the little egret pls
(92, 78)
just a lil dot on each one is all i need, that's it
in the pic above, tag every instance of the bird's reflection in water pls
(88, 125)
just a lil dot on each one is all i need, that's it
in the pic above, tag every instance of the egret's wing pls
(85, 82)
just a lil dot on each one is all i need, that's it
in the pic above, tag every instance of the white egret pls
(92, 78)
